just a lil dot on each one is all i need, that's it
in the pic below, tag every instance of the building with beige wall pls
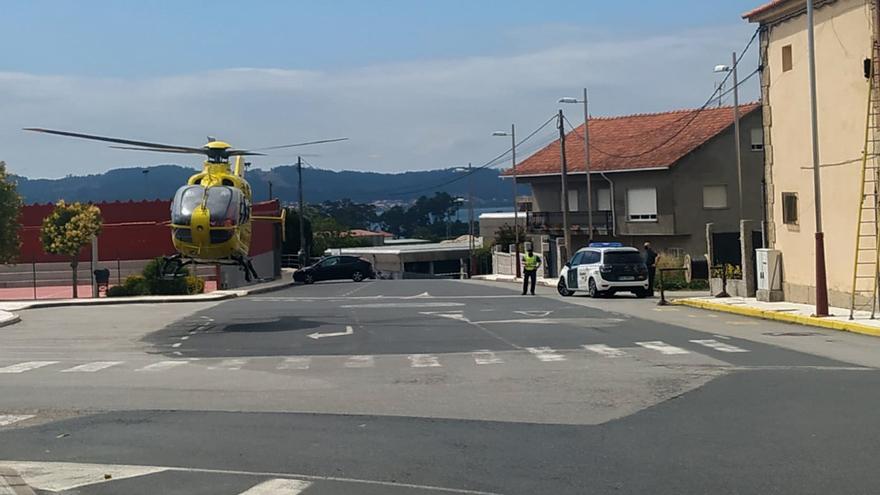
(843, 40)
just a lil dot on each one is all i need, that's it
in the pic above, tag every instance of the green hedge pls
(152, 283)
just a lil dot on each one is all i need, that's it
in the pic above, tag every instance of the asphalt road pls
(433, 387)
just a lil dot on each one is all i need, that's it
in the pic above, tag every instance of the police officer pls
(531, 263)
(651, 261)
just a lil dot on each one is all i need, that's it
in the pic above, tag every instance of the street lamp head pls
(501, 133)
(569, 99)
(722, 68)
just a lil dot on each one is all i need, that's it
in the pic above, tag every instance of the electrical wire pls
(693, 115)
(473, 170)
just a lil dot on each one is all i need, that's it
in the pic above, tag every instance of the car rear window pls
(623, 257)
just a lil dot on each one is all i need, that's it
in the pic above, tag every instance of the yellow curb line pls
(846, 326)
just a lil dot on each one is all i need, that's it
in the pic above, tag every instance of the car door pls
(572, 273)
(586, 266)
(327, 269)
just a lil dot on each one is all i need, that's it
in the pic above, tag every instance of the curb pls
(845, 326)
(109, 301)
(7, 318)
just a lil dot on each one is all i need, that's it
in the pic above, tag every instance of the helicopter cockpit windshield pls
(223, 202)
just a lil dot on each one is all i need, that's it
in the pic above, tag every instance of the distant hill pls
(161, 181)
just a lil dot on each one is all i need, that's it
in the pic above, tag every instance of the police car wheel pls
(562, 289)
(594, 291)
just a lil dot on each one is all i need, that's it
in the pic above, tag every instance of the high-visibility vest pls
(531, 262)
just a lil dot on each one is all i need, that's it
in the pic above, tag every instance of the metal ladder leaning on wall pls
(866, 267)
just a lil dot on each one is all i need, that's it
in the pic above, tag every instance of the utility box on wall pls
(769, 270)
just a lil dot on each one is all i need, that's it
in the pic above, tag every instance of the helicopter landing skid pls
(174, 266)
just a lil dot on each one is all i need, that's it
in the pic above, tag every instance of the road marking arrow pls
(316, 335)
(539, 314)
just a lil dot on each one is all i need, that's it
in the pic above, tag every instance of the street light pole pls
(585, 101)
(587, 165)
(821, 283)
(512, 135)
(739, 176)
(564, 166)
(303, 254)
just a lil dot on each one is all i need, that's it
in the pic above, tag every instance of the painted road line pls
(546, 354)
(663, 347)
(28, 366)
(11, 419)
(423, 361)
(605, 350)
(176, 345)
(162, 366)
(360, 362)
(295, 363)
(719, 346)
(229, 364)
(278, 486)
(63, 476)
(486, 357)
(92, 367)
(402, 305)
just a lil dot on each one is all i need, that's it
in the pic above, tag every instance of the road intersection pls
(433, 387)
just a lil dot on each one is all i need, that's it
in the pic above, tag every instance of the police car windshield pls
(622, 257)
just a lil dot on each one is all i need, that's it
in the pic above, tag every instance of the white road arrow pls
(316, 335)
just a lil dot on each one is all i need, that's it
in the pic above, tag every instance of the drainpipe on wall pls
(613, 216)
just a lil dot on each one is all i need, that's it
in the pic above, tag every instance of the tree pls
(348, 214)
(505, 236)
(68, 229)
(10, 209)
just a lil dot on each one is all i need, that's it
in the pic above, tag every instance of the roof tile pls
(634, 141)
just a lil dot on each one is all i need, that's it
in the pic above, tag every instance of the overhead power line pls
(693, 115)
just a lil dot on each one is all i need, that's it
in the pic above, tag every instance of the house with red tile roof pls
(658, 177)
(846, 38)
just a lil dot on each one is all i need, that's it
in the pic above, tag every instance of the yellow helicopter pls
(211, 215)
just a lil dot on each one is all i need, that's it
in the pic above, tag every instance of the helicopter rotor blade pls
(114, 140)
(243, 153)
(301, 144)
(158, 150)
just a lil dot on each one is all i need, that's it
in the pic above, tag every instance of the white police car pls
(604, 268)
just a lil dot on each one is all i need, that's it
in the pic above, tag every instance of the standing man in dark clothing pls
(651, 261)
(531, 262)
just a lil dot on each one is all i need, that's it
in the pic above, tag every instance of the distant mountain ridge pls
(319, 185)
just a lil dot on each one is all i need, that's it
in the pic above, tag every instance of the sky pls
(413, 84)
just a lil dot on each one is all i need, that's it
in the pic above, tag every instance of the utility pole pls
(270, 190)
(564, 165)
(471, 243)
(515, 203)
(821, 283)
(739, 175)
(303, 252)
(587, 164)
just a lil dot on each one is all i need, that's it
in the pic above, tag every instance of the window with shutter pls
(641, 204)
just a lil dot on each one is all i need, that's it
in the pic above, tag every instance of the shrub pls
(156, 285)
(194, 285)
(117, 291)
(135, 285)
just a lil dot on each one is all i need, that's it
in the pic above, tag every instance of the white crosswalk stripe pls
(11, 419)
(162, 366)
(278, 486)
(719, 346)
(295, 363)
(486, 357)
(360, 362)
(91, 367)
(229, 365)
(605, 350)
(662, 347)
(423, 361)
(27, 366)
(546, 354)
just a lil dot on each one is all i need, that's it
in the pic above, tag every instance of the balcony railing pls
(549, 222)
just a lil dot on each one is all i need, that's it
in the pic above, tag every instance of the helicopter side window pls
(186, 200)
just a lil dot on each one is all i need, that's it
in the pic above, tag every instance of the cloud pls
(400, 116)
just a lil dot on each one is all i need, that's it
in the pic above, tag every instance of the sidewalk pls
(61, 292)
(7, 317)
(787, 312)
